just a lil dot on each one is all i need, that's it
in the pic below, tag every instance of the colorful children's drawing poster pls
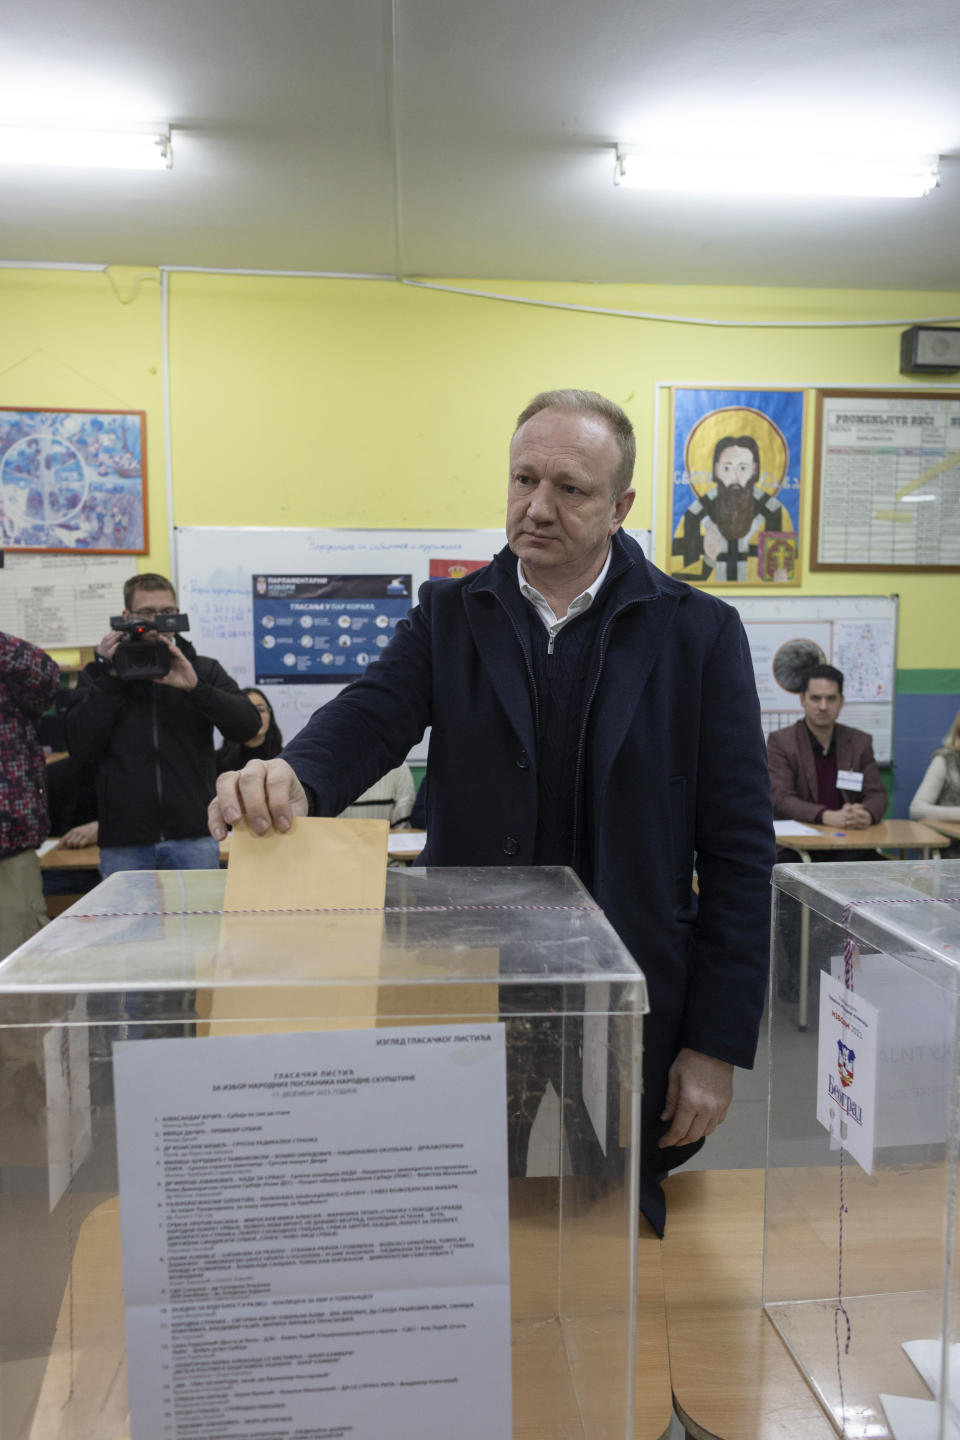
(73, 480)
(736, 473)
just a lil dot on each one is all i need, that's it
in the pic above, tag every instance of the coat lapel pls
(637, 637)
(507, 665)
(808, 768)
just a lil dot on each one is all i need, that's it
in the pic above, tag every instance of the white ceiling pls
(287, 142)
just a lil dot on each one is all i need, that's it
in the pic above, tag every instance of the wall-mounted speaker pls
(929, 350)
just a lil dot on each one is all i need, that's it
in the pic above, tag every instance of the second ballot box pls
(303, 1247)
(860, 1259)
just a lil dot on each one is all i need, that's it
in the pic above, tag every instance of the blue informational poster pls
(323, 629)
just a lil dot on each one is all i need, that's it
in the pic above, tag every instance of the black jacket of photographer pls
(152, 746)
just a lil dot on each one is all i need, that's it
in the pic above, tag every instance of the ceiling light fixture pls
(137, 148)
(757, 174)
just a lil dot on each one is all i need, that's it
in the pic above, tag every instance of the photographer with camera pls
(144, 715)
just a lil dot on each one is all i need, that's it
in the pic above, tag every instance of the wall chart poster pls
(886, 490)
(73, 480)
(323, 629)
(736, 467)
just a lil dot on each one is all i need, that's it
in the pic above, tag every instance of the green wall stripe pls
(928, 682)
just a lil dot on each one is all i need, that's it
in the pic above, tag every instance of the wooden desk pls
(950, 828)
(87, 858)
(732, 1375)
(83, 1390)
(60, 862)
(896, 835)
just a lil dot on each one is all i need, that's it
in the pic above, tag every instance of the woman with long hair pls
(938, 796)
(265, 745)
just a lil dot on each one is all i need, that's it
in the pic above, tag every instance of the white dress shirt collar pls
(576, 607)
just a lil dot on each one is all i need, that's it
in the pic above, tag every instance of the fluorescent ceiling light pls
(758, 174)
(134, 149)
(915, 499)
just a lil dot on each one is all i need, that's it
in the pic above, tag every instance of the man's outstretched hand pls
(266, 793)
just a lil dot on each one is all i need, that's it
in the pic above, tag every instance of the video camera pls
(136, 657)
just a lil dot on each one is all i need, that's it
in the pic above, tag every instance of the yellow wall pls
(84, 341)
(315, 402)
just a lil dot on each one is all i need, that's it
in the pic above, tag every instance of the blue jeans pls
(152, 1013)
(198, 852)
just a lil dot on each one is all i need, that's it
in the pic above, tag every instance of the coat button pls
(511, 846)
(523, 761)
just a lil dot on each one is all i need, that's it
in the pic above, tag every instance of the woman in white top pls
(938, 797)
(390, 799)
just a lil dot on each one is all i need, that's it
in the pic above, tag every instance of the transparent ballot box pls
(859, 1271)
(146, 983)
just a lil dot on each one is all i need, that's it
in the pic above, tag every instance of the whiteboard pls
(215, 578)
(216, 572)
(856, 633)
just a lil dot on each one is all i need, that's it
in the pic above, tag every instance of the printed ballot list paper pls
(315, 1238)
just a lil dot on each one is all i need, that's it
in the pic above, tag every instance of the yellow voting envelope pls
(308, 906)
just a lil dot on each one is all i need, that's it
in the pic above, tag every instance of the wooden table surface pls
(732, 1375)
(888, 835)
(82, 1390)
(88, 857)
(950, 828)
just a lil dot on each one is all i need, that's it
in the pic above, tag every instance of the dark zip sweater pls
(563, 680)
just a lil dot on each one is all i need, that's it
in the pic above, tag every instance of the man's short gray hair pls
(589, 402)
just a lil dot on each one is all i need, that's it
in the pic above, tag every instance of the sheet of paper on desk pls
(315, 1234)
(792, 827)
(46, 847)
(914, 1419)
(920, 1419)
(318, 864)
(927, 1357)
(403, 842)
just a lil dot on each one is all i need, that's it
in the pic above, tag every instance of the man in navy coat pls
(586, 710)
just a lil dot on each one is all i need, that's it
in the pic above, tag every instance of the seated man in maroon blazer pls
(823, 773)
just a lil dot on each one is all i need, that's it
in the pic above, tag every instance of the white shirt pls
(576, 607)
(390, 799)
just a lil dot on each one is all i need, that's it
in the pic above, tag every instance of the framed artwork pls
(73, 480)
(886, 481)
(736, 468)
